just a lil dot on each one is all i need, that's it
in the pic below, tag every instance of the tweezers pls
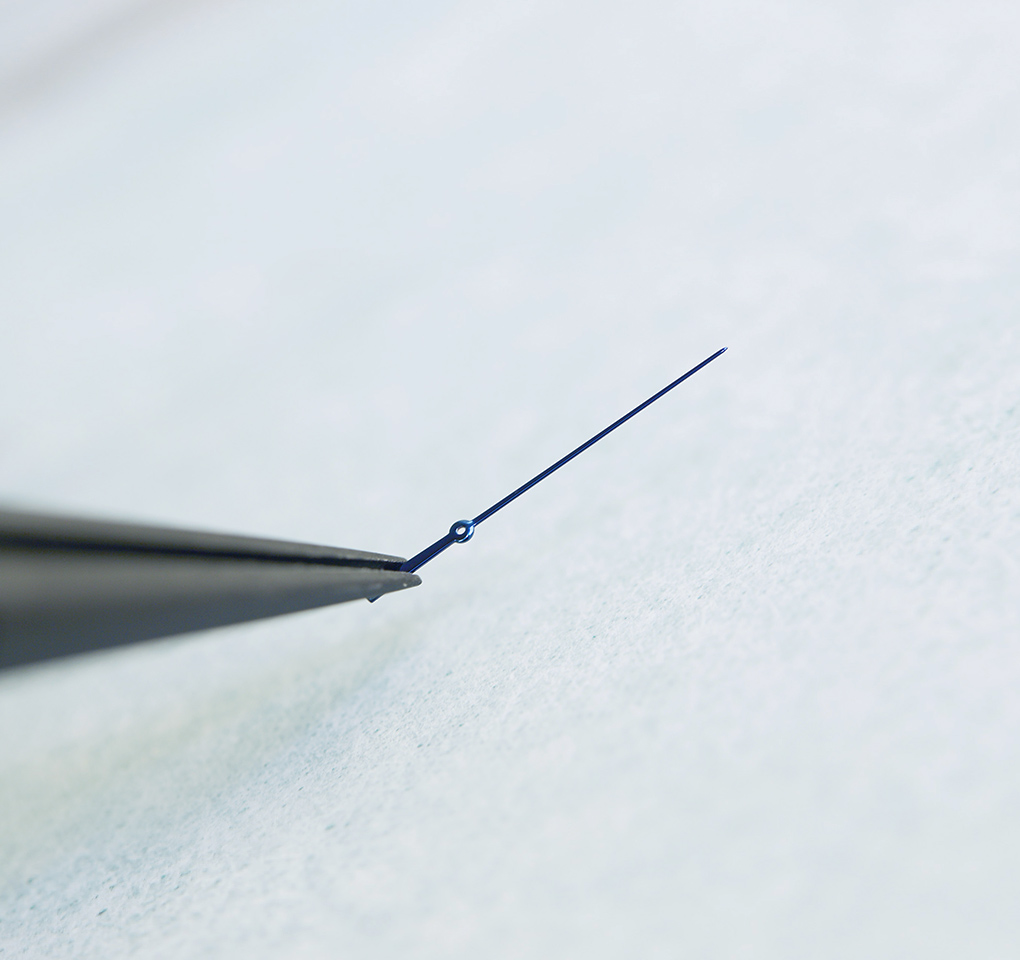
(69, 585)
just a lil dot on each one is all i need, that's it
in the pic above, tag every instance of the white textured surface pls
(741, 682)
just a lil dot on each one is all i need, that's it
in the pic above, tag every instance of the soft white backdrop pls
(743, 681)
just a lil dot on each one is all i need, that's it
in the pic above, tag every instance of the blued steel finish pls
(68, 585)
(463, 530)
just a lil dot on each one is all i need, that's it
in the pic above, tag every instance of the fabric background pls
(740, 682)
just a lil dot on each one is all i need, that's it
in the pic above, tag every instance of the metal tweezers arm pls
(69, 585)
